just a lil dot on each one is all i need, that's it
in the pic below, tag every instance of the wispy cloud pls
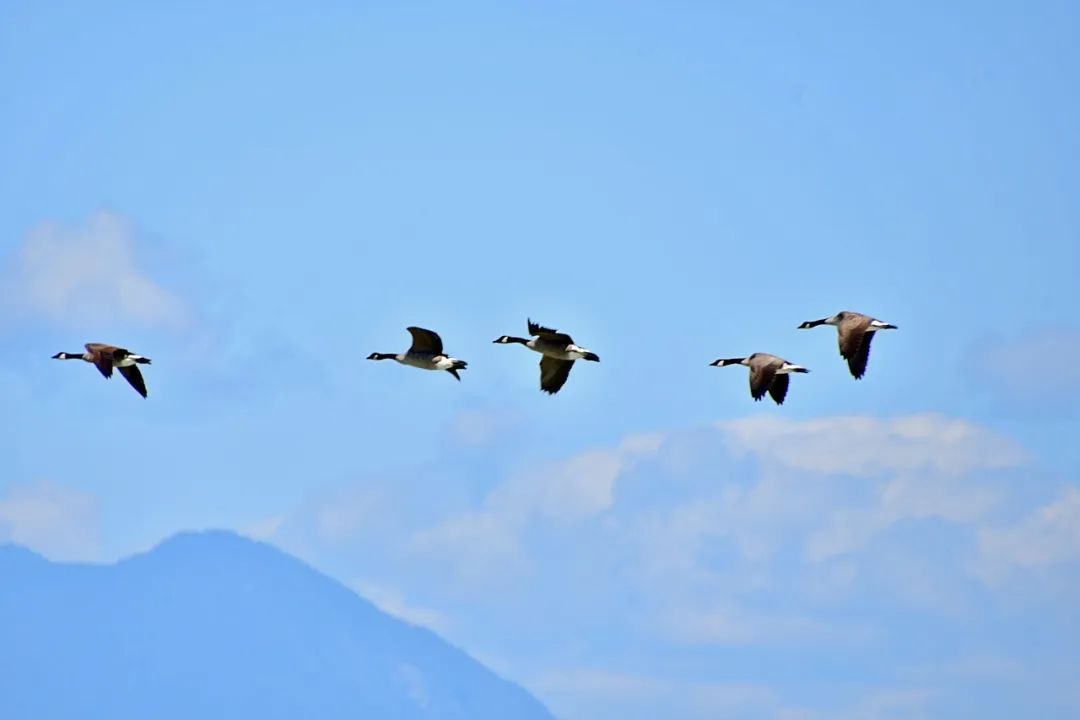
(480, 547)
(760, 535)
(868, 446)
(914, 467)
(72, 275)
(578, 487)
(59, 522)
(1048, 536)
(566, 491)
(903, 498)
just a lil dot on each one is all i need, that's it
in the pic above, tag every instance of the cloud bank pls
(843, 538)
(89, 273)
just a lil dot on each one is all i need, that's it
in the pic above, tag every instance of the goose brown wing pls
(102, 357)
(553, 373)
(850, 334)
(778, 389)
(425, 341)
(134, 377)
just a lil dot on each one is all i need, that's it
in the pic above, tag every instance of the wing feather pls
(134, 377)
(857, 362)
(761, 379)
(102, 357)
(778, 389)
(553, 373)
(425, 341)
(850, 334)
(553, 336)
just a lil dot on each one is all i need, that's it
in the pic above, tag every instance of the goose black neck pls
(511, 339)
(381, 356)
(813, 323)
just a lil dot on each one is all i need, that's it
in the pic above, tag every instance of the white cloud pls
(904, 498)
(478, 546)
(59, 522)
(835, 535)
(868, 446)
(88, 273)
(579, 487)
(825, 489)
(1048, 536)
(569, 491)
(909, 468)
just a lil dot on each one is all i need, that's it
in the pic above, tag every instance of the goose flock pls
(558, 351)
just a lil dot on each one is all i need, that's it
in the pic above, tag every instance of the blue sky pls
(258, 197)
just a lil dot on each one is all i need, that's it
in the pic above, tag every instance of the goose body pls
(108, 357)
(768, 374)
(426, 353)
(559, 354)
(855, 332)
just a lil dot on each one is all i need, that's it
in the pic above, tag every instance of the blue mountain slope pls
(212, 625)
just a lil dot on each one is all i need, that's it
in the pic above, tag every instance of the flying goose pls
(426, 353)
(768, 374)
(855, 331)
(559, 353)
(106, 357)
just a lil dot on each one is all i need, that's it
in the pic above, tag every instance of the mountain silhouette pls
(213, 625)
